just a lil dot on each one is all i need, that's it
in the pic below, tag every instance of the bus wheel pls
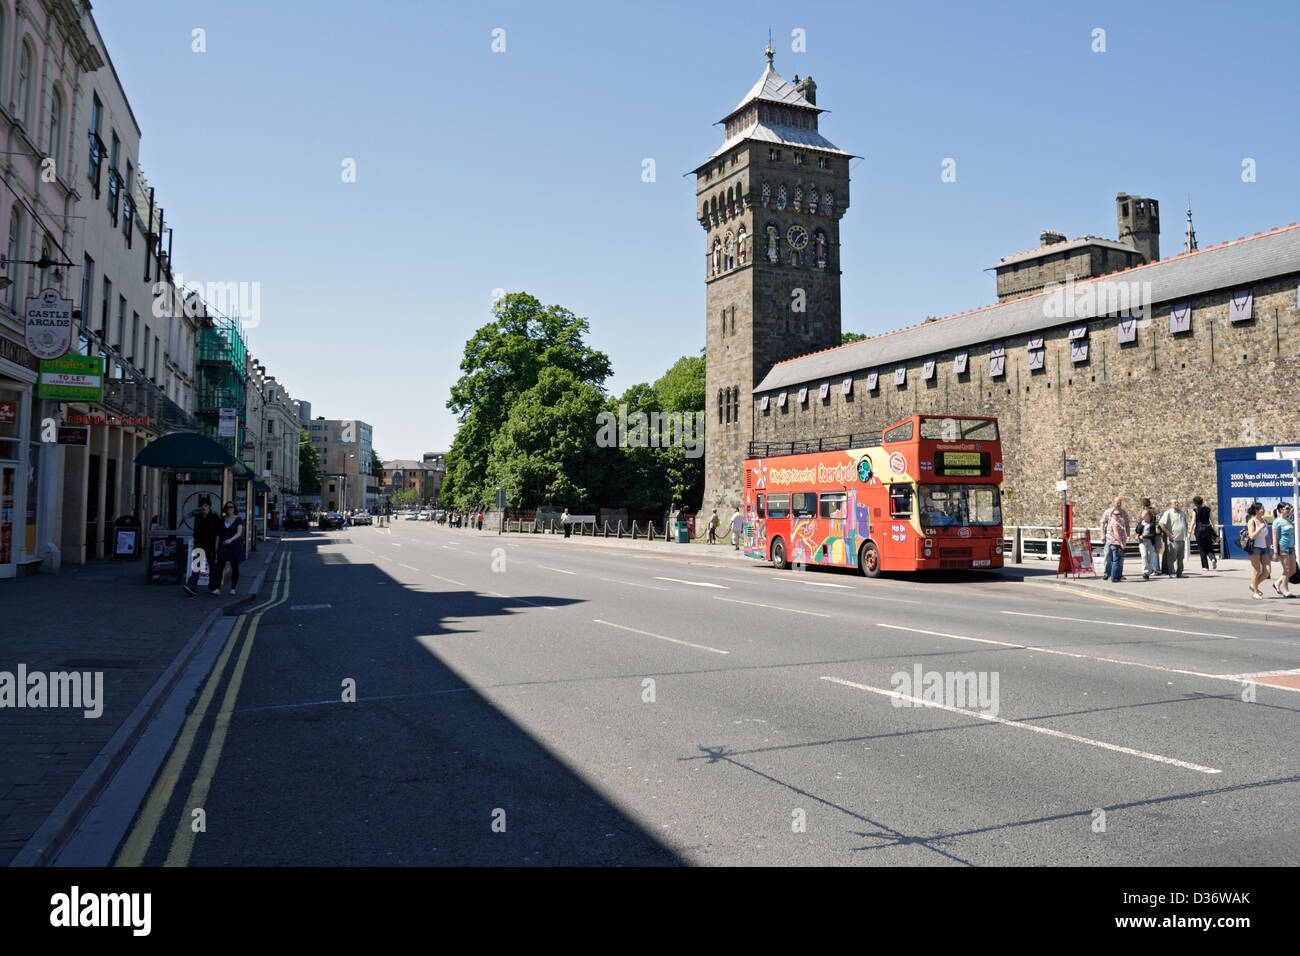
(869, 560)
(778, 555)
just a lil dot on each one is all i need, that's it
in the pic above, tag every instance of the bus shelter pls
(194, 468)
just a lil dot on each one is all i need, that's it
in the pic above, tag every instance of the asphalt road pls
(522, 701)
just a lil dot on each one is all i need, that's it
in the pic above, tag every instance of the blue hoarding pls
(1243, 480)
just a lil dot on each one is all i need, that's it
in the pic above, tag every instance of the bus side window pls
(758, 507)
(832, 505)
(778, 506)
(804, 503)
(900, 501)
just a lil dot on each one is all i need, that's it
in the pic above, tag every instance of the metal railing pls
(1043, 542)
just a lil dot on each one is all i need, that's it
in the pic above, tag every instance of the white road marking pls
(409, 567)
(633, 584)
(394, 544)
(449, 547)
(917, 702)
(825, 584)
(560, 570)
(459, 584)
(792, 610)
(673, 640)
(1051, 650)
(698, 584)
(1141, 627)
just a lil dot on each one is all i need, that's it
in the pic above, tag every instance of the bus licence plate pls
(980, 564)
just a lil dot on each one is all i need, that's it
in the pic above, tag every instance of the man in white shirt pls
(737, 525)
(1174, 521)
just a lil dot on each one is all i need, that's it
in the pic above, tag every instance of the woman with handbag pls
(230, 549)
(1257, 529)
(1203, 532)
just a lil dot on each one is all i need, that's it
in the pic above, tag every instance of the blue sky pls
(521, 170)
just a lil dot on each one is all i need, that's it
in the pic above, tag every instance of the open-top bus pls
(926, 498)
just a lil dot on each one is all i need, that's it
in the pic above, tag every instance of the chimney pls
(806, 88)
(1050, 237)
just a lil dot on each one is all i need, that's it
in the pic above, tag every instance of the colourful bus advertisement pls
(926, 498)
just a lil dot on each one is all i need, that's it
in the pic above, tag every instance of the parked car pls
(409, 516)
(296, 517)
(363, 517)
(422, 516)
(330, 520)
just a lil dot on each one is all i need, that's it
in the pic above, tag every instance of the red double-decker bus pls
(926, 498)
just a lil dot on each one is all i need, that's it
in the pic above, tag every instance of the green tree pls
(308, 465)
(406, 498)
(544, 451)
(847, 337)
(503, 360)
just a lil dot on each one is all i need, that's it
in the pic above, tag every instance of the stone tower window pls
(781, 197)
(830, 202)
(719, 406)
(767, 195)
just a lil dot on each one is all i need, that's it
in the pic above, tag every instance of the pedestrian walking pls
(564, 520)
(1117, 507)
(230, 549)
(1203, 532)
(1116, 540)
(713, 527)
(480, 521)
(1258, 528)
(1147, 530)
(1284, 547)
(206, 528)
(737, 525)
(1174, 523)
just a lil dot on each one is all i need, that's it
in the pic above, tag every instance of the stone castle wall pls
(1141, 418)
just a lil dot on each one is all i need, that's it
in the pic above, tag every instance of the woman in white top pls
(1258, 529)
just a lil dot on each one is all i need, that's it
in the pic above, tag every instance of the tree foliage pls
(847, 337)
(308, 465)
(504, 360)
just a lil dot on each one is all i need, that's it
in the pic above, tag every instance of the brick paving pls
(98, 617)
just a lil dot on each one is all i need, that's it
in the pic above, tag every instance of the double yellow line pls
(146, 827)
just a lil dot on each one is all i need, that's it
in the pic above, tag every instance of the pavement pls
(1224, 590)
(101, 618)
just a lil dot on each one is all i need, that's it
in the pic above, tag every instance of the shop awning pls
(186, 450)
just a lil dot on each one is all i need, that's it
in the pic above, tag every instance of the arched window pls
(798, 198)
(812, 201)
(55, 146)
(14, 270)
(23, 92)
(830, 202)
(780, 196)
(719, 406)
(735, 403)
(767, 195)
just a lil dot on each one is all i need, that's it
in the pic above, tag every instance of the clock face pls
(798, 237)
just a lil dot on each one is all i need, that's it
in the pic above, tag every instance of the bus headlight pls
(997, 548)
(927, 552)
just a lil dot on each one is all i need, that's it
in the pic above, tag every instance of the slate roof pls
(773, 89)
(1228, 265)
(1053, 248)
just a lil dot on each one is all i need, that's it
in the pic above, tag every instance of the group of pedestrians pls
(736, 524)
(221, 541)
(1271, 539)
(1162, 539)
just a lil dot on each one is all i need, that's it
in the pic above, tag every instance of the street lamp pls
(43, 263)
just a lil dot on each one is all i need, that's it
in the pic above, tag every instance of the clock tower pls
(770, 201)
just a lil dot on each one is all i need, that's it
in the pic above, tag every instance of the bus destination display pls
(961, 464)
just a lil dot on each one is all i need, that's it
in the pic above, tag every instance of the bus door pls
(898, 546)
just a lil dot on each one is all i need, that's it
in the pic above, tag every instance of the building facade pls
(273, 428)
(1138, 376)
(46, 56)
(344, 446)
(770, 201)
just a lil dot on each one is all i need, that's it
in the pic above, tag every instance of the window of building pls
(823, 163)
(128, 204)
(121, 323)
(156, 349)
(269, 458)
(798, 159)
(14, 253)
(105, 306)
(774, 155)
(87, 284)
(114, 180)
(55, 145)
(144, 355)
(96, 145)
(135, 336)
(23, 91)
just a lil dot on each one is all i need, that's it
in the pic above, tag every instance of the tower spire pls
(1189, 243)
(768, 51)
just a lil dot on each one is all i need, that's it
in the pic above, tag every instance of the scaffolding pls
(222, 379)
